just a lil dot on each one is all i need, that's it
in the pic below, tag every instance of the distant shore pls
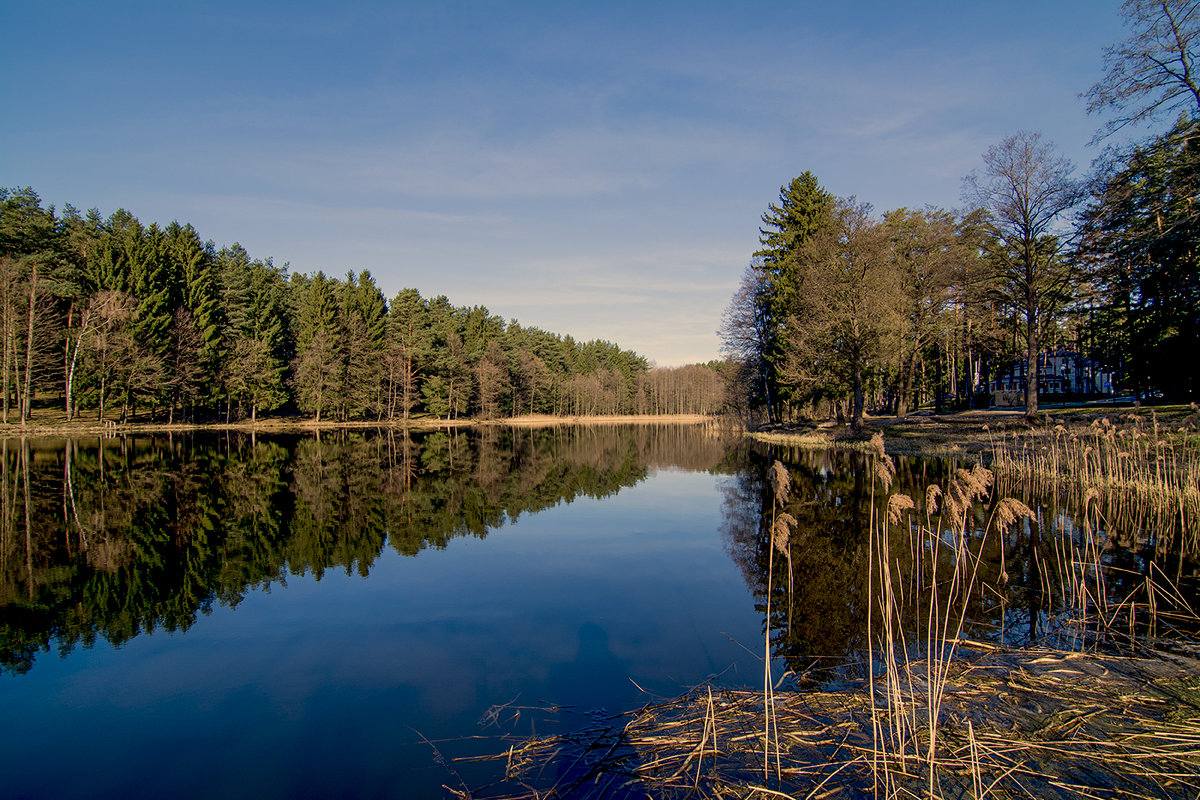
(922, 433)
(91, 427)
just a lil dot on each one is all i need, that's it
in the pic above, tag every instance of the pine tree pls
(30, 253)
(1141, 235)
(194, 267)
(364, 315)
(319, 366)
(410, 350)
(804, 212)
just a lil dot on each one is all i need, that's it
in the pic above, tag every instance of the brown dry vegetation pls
(1027, 724)
(77, 427)
(973, 432)
(969, 719)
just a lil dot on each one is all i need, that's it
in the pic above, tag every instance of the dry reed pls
(1141, 475)
(1028, 724)
(948, 717)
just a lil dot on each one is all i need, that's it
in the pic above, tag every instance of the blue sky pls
(594, 169)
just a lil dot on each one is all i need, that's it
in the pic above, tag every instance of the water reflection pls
(107, 539)
(1059, 578)
(595, 665)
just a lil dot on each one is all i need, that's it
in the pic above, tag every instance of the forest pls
(842, 311)
(110, 318)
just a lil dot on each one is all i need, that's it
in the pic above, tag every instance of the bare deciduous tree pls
(924, 247)
(748, 334)
(1025, 189)
(1153, 71)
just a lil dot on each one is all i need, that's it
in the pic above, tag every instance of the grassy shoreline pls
(962, 433)
(1014, 723)
(62, 428)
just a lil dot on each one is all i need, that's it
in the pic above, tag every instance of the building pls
(1065, 375)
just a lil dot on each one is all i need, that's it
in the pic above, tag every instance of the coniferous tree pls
(80, 235)
(30, 249)
(318, 371)
(155, 285)
(196, 269)
(804, 211)
(364, 318)
(410, 351)
(1140, 236)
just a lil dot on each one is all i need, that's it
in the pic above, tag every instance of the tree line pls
(109, 317)
(842, 310)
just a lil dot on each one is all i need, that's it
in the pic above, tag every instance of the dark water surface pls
(221, 616)
(293, 618)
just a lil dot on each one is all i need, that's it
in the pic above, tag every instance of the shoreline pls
(966, 433)
(1026, 721)
(75, 428)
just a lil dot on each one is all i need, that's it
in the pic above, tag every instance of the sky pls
(597, 169)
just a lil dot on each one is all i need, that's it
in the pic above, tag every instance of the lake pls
(358, 614)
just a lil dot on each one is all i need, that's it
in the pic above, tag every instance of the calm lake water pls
(354, 616)
(293, 618)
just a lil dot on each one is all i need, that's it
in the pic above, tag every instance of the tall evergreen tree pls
(1141, 236)
(194, 267)
(410, 350)
(30, 253)
(80, 237)
(319, 367)
(805, 211)
(364, 317)
(155, 286)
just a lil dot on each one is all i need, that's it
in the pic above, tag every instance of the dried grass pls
(1137, 474)
(1028, 724)
(982, 723)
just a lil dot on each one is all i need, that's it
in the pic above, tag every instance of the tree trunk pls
(856, 418)
(937, 388)
(27, 400)
(1032, 373)
(67, 361)
(906, 381)
(71, 366)
(9, 347)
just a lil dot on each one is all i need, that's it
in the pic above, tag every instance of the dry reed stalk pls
(779, 538)
(1149, 477)
(1003, 723)
(1017, 724)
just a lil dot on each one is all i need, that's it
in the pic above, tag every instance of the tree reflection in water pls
(107, 539)
(104, 540)
(1030, 574)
